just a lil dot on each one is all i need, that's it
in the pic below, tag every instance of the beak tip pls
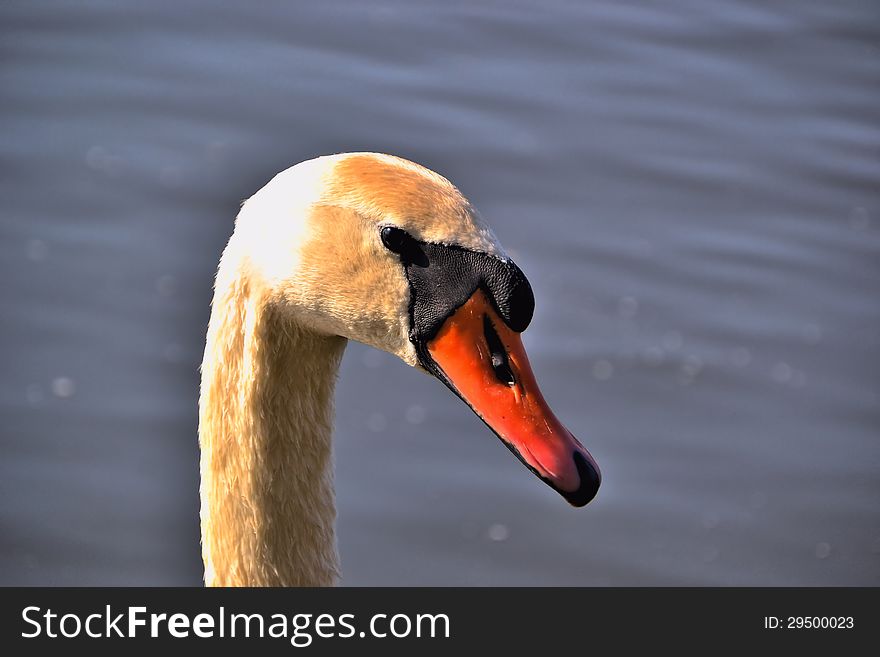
(590, 479)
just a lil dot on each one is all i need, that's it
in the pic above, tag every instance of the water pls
(692, 190)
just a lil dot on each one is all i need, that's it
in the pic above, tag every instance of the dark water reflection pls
(692, 189)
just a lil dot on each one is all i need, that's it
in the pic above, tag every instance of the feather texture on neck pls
(268, 505)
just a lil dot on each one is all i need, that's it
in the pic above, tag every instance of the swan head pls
(383, 251)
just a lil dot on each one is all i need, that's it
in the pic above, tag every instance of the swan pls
(356, 246)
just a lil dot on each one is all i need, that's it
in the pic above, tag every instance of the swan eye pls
(394, 239)
(402, 243)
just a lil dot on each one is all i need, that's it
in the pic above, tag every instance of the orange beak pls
(485, 364)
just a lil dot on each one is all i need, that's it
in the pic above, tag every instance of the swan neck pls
(265, 422)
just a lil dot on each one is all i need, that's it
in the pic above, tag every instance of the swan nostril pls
(500, 362)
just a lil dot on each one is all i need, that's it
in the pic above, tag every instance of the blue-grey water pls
(692, 187)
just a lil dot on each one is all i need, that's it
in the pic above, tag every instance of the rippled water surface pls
(693, 189)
